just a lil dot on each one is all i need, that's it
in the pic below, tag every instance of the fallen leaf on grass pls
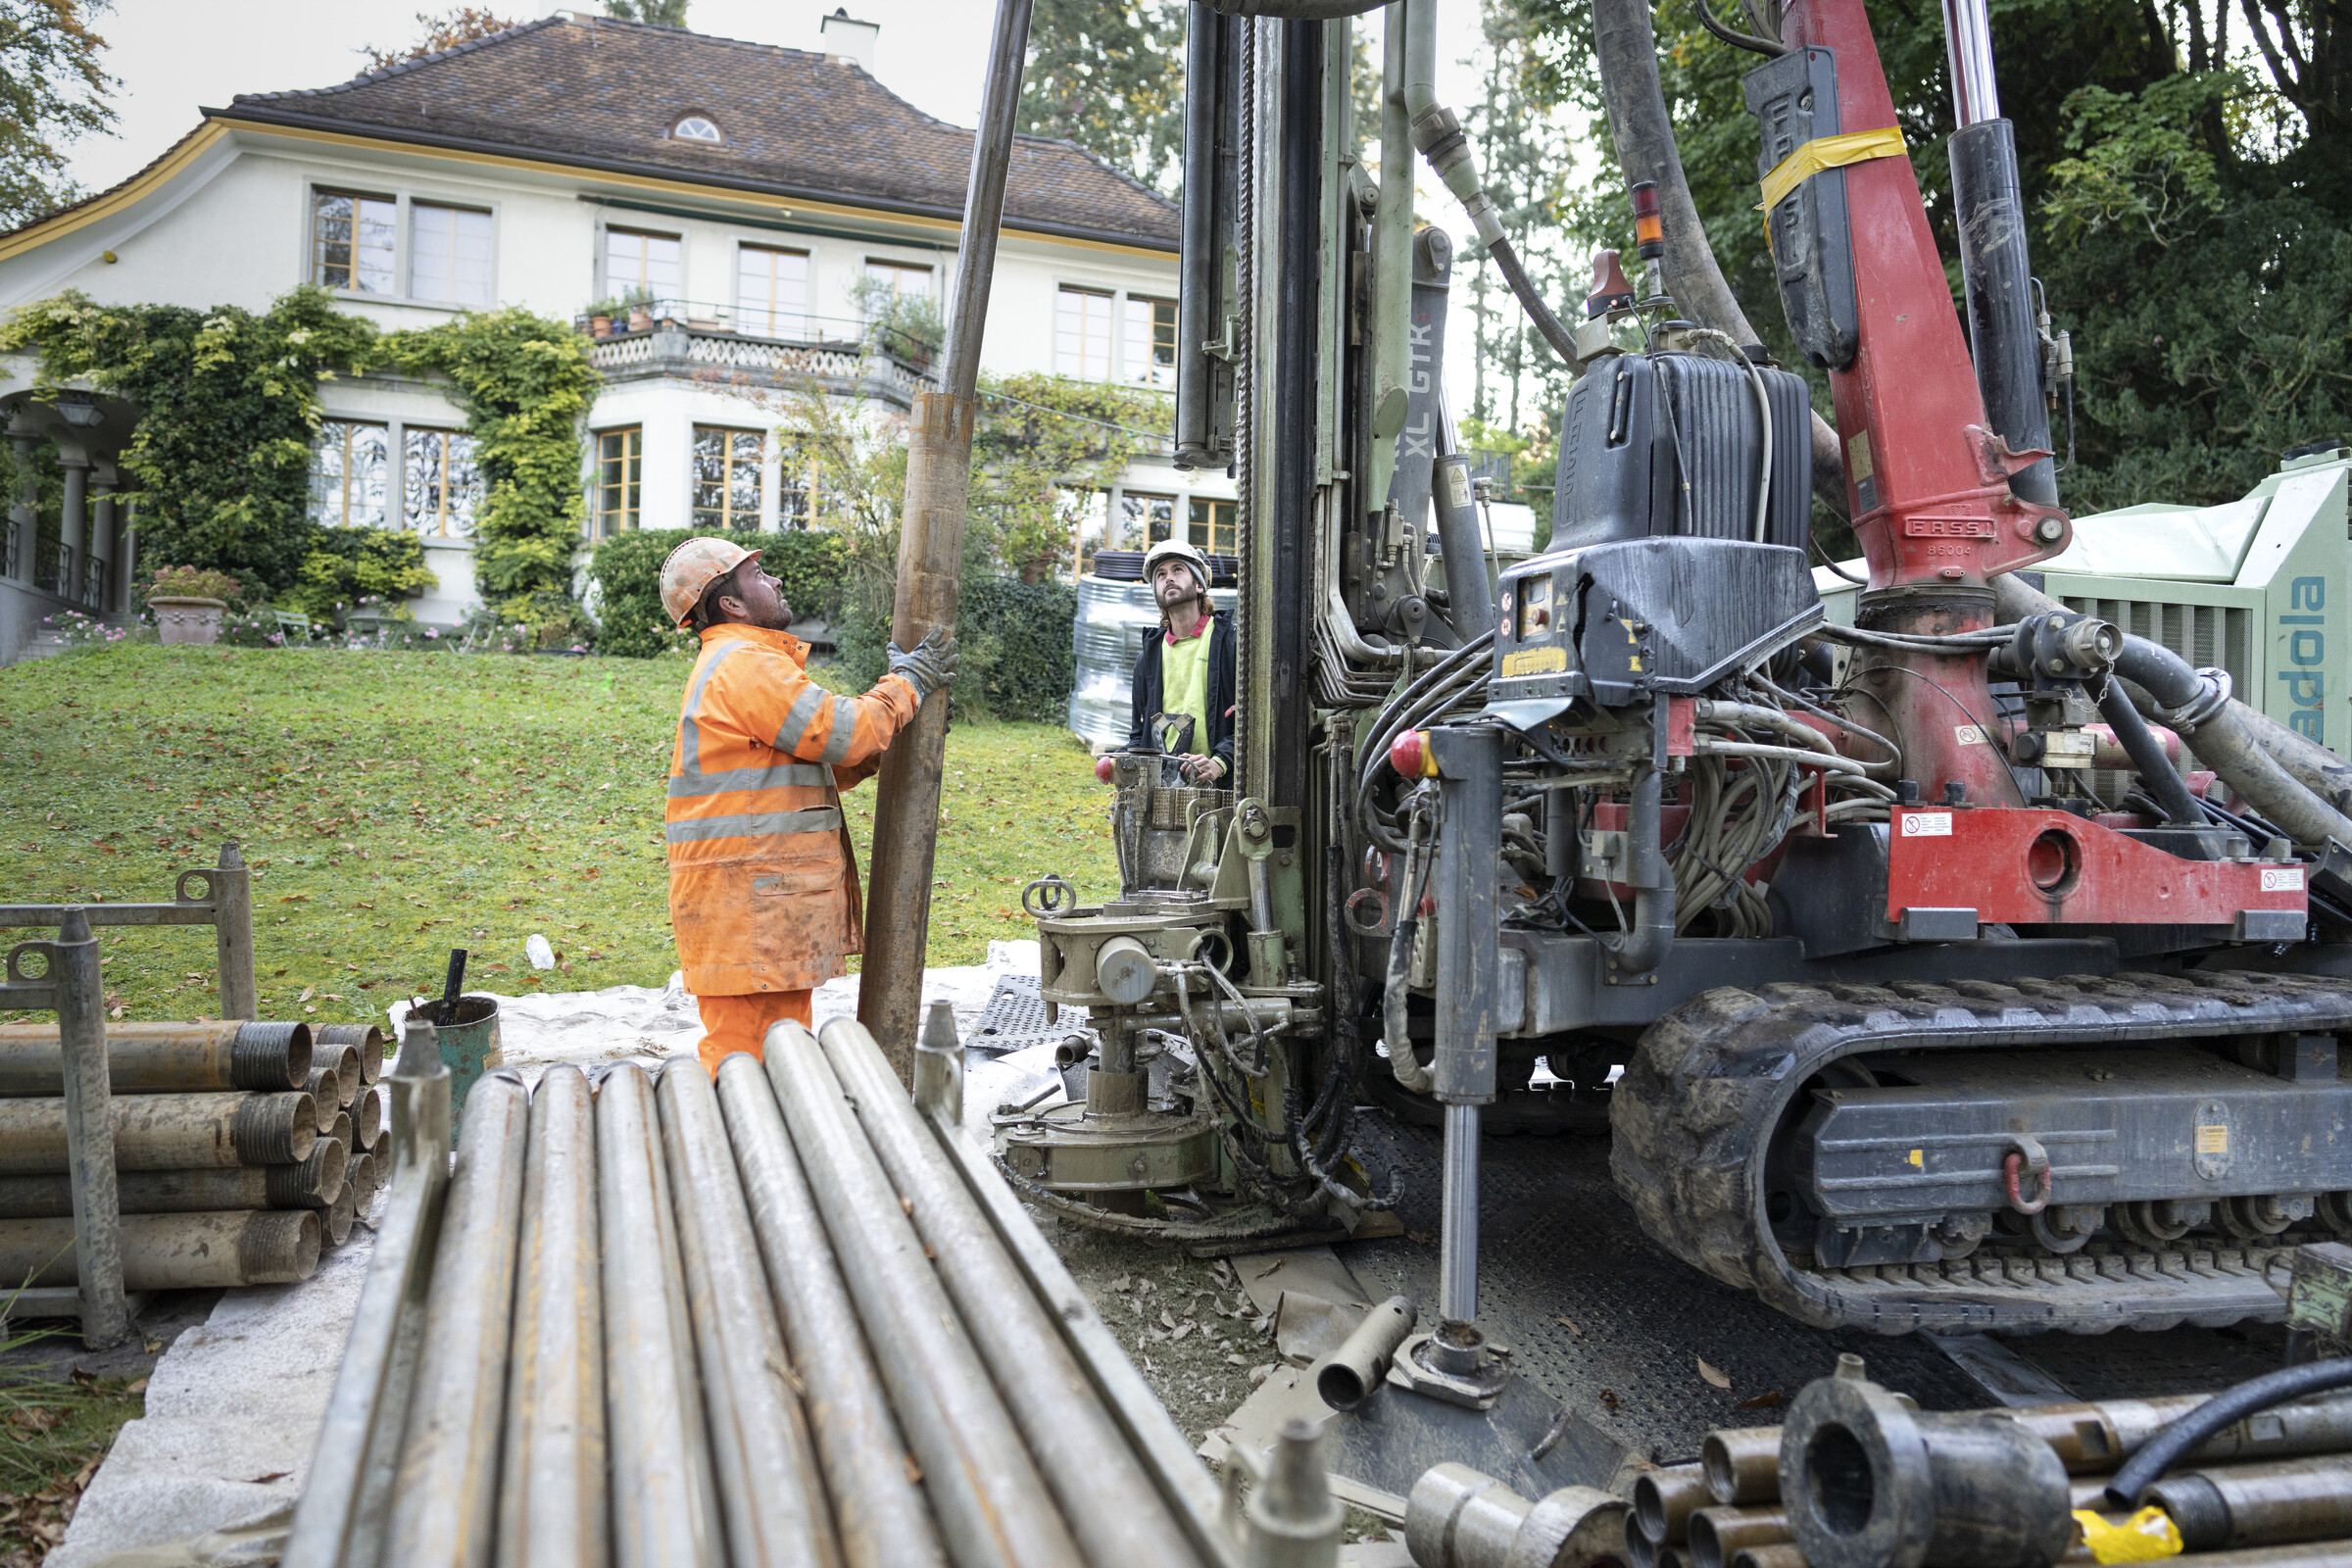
(35, 1418)
(1718, 1379)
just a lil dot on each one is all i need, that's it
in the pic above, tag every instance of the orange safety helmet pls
(693, 568)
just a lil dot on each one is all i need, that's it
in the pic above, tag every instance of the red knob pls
(1103, 768)
(1405, 754)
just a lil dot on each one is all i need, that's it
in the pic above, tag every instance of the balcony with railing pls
(723, 346)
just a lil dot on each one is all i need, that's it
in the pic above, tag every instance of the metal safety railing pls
(68, 984)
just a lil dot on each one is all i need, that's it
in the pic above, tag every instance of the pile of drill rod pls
(2274, 1490)
(761, 1320)
(241, 1148)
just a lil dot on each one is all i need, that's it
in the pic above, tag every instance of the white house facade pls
(744, 196)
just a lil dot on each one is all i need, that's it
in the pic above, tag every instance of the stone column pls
(24, 530)
(74, 521)
(106, 540)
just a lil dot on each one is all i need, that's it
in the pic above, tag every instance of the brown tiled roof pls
(604, 95)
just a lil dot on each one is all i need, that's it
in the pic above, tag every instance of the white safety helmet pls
(1176, 549)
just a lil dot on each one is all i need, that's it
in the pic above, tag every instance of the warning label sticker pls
(1969, 735)
(2212, 1139)
(2282, 879)
(1927, 824)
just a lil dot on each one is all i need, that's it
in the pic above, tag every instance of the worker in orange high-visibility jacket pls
(762, 882)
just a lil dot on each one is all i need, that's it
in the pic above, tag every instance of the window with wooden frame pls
(440, 484)
(351, 240)
(1211, 527)
(1082, 333)
(620, 471)
(727, 478)
(644, 265)
(1145, 520)
(899, 278)
(771, 291)
(1150, 341)
(351, 472)
(449, 253)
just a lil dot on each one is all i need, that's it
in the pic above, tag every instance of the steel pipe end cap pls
(1124, 971)
(1575, 1527)
(1854, 1476)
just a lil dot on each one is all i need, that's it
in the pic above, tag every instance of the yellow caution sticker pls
(2212, 1139)
(2148, 1536)
(1536, 662)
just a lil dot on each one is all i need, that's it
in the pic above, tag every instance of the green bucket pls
(469, 1047)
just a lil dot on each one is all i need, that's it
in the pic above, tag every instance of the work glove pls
(931, 666)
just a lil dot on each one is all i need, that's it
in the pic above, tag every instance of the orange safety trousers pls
(741, 1023)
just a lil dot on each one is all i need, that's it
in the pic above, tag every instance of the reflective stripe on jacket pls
(763, 881)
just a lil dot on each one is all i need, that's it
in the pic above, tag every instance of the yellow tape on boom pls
(1826, 152)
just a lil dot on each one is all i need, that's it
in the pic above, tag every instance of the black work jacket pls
(1147, 696)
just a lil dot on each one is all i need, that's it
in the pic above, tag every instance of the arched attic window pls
(697, 127)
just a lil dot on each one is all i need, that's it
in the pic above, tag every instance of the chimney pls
(850, 39)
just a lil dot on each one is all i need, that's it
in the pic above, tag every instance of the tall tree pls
(2190, 193)
(660, 12)
(52, 90)
(446, 30)
(1110, 76)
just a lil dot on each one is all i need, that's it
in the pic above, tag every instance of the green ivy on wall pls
(228, 410)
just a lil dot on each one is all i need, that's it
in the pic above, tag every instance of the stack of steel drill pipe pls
(992, 1505)
(314, 1183)
(445, 1494)
(552, 1460)
(365, 1038)
(1111, 1505)
(877, 1508)
(152, 1059)
(176, 1252)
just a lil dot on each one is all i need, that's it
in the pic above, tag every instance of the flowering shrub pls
(78, 630)
(191, 582)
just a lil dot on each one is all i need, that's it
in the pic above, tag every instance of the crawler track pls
(1712, 1079)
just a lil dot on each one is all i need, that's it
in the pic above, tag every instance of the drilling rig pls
(1974, 966)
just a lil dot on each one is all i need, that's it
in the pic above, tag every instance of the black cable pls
(2174, 1441)
(1772, 47)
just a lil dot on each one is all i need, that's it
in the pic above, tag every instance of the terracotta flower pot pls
(600, 326)
(641, 320)
(188, 620)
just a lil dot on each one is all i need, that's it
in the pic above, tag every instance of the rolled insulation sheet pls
(337, 1217)
(163, 1058)
(1112, 1507)
(445, 1493)
(367, 1118)
(323, 1088)
(211, 1189)
(770, 1492)
(554, 1454)
(167, 1132)
(173, 1251)
(994, 1510)
(664, 1501)
(367, 1037)
(878, 1510)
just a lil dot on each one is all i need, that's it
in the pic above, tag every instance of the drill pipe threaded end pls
(274, 1129)
(279, 1245)
(270, 1056)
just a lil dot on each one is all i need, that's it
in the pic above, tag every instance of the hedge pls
(627, 569)
(1018, 659)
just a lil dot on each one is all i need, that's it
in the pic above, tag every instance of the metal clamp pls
(1379, 925)
(2028, 1158)
(1050, 895)
(2193, 714)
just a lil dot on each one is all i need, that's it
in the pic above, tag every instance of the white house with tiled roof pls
(740, 191)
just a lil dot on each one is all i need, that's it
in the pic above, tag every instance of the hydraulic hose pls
(1397, 1002)
(2249, 750)
(2180, 1435)
(1447, 147)
(2155, 769)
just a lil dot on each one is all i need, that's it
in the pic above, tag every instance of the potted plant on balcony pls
(189, 602)
(599, 317)
(640, 302)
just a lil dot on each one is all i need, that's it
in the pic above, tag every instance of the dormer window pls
(697, 127)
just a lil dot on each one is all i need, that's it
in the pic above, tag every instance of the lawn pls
(395, 806)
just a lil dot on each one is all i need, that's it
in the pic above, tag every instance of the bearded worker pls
(1185, 671)
(763, 881)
